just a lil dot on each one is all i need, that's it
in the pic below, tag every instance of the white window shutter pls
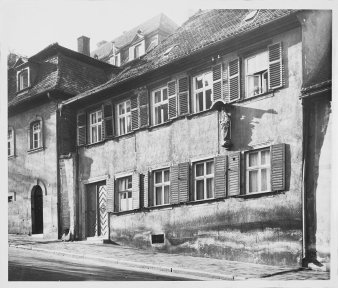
(234, 79)
(275, 66)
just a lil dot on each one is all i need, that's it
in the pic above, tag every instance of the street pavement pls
(28, 265)
(174, 264)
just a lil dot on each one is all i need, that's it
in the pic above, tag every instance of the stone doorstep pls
(177, 271)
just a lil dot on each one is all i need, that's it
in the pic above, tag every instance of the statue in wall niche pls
(225, 124)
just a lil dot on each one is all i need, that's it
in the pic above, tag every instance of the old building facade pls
(205, 145)
(36, 86)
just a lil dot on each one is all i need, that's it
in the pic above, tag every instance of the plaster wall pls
(29, 168)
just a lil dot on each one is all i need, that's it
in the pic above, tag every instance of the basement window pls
(157, 239)
(250, 16)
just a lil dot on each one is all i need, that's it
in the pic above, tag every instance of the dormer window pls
(137, 51)
(23, 79)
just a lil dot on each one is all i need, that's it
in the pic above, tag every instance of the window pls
(137, 51)
(124, 117)
(95, 126)
(256, 74)
(23, 79)
(161, 187)
(115, 59)
(10, 142)
(125, 193)
(160, 105)
(36, 135)
(204, 180)
(258, 171)
(202, 91)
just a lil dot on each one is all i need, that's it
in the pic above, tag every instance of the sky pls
(33, 25)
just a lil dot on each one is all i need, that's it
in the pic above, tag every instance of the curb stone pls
(211, 276)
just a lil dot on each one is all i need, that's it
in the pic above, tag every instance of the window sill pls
(30, 151)
(11, 156)
(197, 114)
(257, 194)
(255, 98)
(23, 90)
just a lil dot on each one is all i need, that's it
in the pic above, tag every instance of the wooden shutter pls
(183, 181)
(107, 126)
(145, 185)
(225, 84)
(110, 195)
(136, 190)
(183, 95)
(234, 79)
(234, 173)
(174, 190)
(278, 167)
(81, 129)
(134, 112)
(172, 99)
(144, 107)
(150, 189)
(220, 176)
(217, 82)
(116, 198)
(275, 66)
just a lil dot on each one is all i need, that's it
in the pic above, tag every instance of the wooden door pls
(91, 211)
(103, 215)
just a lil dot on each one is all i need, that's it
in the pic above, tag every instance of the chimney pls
(83, 45)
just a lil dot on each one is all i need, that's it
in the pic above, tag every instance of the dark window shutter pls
(116, 198)
(134, 112)
(174, 190)
(220, 176)
(225, 84)
(183, 181)
(172, 99)
(150, 189)
(136, 190)
(275, 66)
(234, 173)
(144, 188)
(107, 126)
(110, 195)
(217, 82)
(234, 79)
(278, 167)
(144, 107)
(183, 95)
(81, 129)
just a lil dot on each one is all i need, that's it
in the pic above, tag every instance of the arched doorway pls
(37, 210)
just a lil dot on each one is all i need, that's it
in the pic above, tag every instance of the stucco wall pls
(27, 169)
(265, 229)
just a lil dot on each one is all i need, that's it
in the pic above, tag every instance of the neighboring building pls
(136, 42)
(36, 86)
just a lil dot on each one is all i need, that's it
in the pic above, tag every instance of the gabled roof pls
(202, 30)
(61, 69)
(159, 22)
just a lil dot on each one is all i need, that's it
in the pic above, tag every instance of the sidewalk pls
(214, 269)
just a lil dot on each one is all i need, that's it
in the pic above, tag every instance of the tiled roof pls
(160, 21)
(201, 30)
(59, 71)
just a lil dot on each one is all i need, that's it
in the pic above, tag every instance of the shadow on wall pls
(85, 167)
(244, 122)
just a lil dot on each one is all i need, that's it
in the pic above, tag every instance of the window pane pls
(128, 124)
(210, 167)
(265, 157)
(207, 79)
(99, 116)
(199, 189)
(93, 118)
(208, 99)
(10, 134)
(166, 194)
(165, 94)
(124, 203)
(94, 135)
(129, 182)
(158, 177)
(121, 109)
(253, 181)
(158, 192)
(253, 159)
(121, 185)
(128, 106)
(198, 82)
(199, 169)
(199, 101)
(130, 195)
(165, 113)
(99, 131)
(157, 97)
(210, 186)
(122, 125)
(9, 148)
(261, 61)
(264, 180)
(166, 175)
(130, 203)
(158, 118)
